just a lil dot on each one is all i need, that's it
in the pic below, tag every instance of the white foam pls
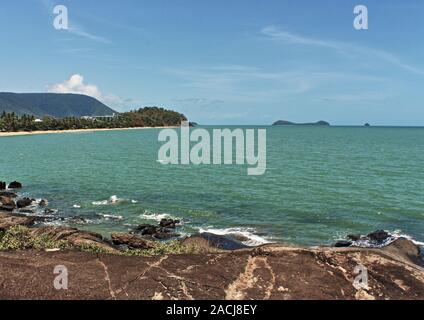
(393, 236)
(110, 216)
(76, 206)
(155, 216)
(249, 233)
(112, 200)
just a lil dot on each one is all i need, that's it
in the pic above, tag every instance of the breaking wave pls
(246, 236)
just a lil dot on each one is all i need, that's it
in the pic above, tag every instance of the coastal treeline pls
(144, 117)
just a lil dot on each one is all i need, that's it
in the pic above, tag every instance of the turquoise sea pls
(321, 183)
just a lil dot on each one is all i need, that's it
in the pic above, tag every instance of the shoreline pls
(30, 133)
(196, 267)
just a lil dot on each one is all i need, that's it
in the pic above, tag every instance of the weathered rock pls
(74, 236)
(272, 272)
(15, 185)
(7, 201)
(343, 243)
(2, 185)
(378, 236)
(7, 208)
(8, 194)
(8, 221)
(169, 223)
(131, 241)
(25, 202)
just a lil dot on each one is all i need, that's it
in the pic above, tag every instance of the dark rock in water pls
(210, 240)
(8, 221)
(169, 223)
(378, 236)
(49, 211)
(155, 232)
(77, 220)
(354, 237)
(15, 185)
(2, 185)
(343, 243)
(43, 203)
(367, 125)
(131, 241)
(25, 202)
(8, 194)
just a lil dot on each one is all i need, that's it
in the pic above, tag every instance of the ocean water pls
(321, 183)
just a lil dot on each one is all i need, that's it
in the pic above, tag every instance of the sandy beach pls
(29, 133)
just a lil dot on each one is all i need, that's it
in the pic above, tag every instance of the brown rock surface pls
(8, 220)
(131, 240)
(269, 272)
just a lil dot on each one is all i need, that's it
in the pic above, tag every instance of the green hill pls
(52, 105)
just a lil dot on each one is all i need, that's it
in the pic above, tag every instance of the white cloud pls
(75, 84)
(349, 49)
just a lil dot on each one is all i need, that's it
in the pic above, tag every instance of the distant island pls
(289, 123)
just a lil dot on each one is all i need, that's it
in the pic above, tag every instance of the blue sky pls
(224, 62)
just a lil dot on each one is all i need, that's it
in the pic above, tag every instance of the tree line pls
(144, 117)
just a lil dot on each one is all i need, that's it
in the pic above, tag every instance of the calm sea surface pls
(321, 183)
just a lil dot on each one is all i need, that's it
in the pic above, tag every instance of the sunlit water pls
(321, 183)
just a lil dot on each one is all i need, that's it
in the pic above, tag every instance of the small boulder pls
(354, 237)
(131, 241)
(343, 244)
(15, 185)
(378, 236)
(169, 223)
(154, 232)
(25, 202)
(7, 201)
(2, 185)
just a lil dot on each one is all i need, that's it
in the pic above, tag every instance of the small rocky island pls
(140, 264)
(289, 123)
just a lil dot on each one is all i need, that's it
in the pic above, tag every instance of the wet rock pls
(77, 220)
(49, 211)
(131, 241)
(43, 203)
(8, 221)
(25, 202)
(155, 232)
(343, 243)
(169, 223)
(7, 208)
(354, 237)
(27, 211)
(15, 185)
(2, 185)
(212, 241)
(378, 236)
(8, 194)
(7, 201)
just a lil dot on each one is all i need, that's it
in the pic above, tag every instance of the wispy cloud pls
(349, 49)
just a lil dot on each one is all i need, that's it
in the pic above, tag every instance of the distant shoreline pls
(30, 133)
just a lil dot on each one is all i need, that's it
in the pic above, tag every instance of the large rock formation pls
(269, 272)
